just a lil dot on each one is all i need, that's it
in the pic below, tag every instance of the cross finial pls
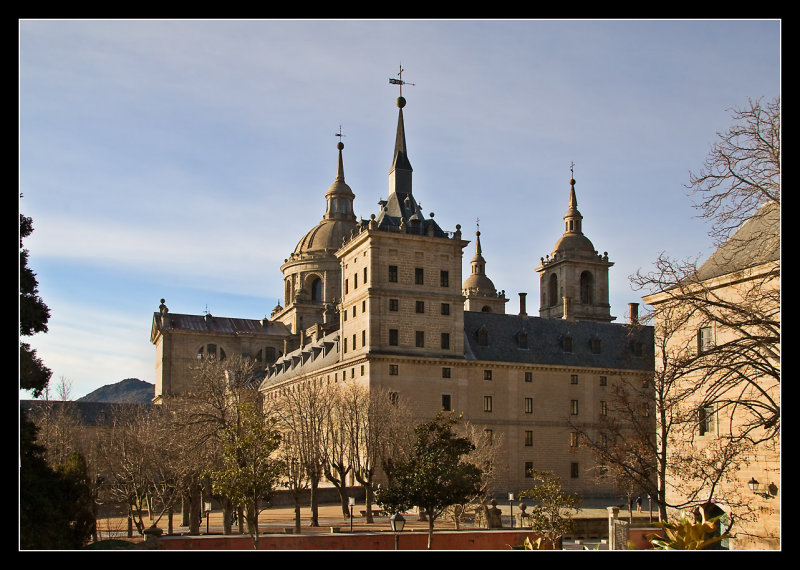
(572, 170)
(339, 134)
(399, 80)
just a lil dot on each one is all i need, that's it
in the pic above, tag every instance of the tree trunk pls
(195, 508)
(252, 522)
(314, 503)
(368, 503)
(227, 511)
(430, 531)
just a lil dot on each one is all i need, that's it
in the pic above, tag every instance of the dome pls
(325, 236)
(480, 284)
(574, 244)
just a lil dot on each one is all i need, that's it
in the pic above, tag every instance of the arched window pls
(587, 284)
(316, 290)
(211, 351)
(552, 290)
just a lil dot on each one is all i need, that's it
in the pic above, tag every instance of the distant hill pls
(128, 391)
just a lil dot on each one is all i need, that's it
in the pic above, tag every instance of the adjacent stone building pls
(382, 301)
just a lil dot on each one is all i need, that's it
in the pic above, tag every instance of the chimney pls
(567, 309)
(522, 312)
(633, 312)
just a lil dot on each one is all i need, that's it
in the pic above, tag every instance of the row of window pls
(419, 276)
(394, 306)
(355, 281)
(488, 401)
(353, 310)
(419, 339)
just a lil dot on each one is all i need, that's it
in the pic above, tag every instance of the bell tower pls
(574, 277)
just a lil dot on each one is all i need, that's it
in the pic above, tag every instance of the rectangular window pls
(528, 405)
(573, 470)
(393, 337)
(604, 380)
(394, 370)
(487, 374)
(394, 304)
(573, 439)
(445, 308)
(574, 407)
(344, 315)
(529, 377)
(354, 342)
(392, 274)
(573, 379)
(394, 397)
(488, 435)
(364, 306)
(528, 438)
(487, 403)
(363, 338)
(420, 306)
(444, 279)
(345, 345)
(529, 469)
(362, 369)
(346, 286)
(419, 276)
(446, 402)
(445, 341)
(596, 346)
(420, 339)
(355, 280)
(567, 344)
(603, 408)
(445, 372)
(705, 422)
(705, 341)
(354, 310)
(365, 275)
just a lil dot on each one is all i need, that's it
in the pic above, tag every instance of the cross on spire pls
(399, 80)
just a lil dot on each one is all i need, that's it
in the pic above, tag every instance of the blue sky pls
(185, 159)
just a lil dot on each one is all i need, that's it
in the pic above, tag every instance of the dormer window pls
(566, 343)
(522, 339)
(483, 337)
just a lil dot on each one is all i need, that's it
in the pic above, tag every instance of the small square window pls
(573, 379)
(419, 276)
(446, 372)
(529, 377)
(392, 274)
(604, 380)
(444, 279)
(420, 339)
(420, 306)
(393, 370)
(394, 305)
(487, 374)
(445, 308)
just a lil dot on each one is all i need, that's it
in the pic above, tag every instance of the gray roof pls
(756, 242)
(617, 343)
(225, 325)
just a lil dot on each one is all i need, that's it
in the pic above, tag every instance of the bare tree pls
(378, 423)
(302, 411)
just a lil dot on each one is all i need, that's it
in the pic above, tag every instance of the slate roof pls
(546, 346)
(224, 325)
(756, 242)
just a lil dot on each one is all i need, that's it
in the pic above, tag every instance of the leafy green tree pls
(33, 317)
(435, 475)
(551, 514)
(52, 504)
(250, 468)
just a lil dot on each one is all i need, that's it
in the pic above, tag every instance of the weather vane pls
(339, 134)
(572, 170)
(399, 80)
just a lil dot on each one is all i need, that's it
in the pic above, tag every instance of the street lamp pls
(511, 502)
(755, 485)
(397, 522)
(208, 512)
(351, 501)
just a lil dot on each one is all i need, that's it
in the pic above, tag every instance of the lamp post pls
(351, 501)
(511, 503)
(397, 522)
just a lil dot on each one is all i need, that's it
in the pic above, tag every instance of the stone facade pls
(383, 302)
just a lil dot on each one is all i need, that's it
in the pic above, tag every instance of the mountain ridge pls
(128, 391)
